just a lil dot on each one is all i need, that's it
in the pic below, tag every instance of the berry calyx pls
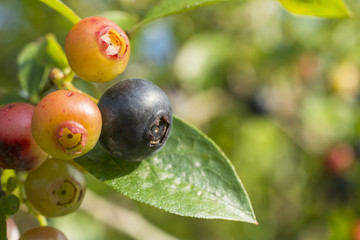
(112, 43)
(71, 136)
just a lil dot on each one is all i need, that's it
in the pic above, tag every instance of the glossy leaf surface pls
(64, 10)
(190, 176)
(317, 8)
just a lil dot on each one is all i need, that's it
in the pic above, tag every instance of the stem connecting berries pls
(97, 49)
(18, 149)
(56, 188)
(137, 118)
(66, 124)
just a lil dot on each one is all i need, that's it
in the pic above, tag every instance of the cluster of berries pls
(132, 120)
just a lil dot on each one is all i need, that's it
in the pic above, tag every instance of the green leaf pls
(2, 225)
(64, 10)
(35, 62)
(56, 52)
(11, 97)
(9, 204)
(124, 19)
(31, 70)
(317, 8)
(190, 176)
(87, 87)
(6, 174)
(11, 184)
(169, 7)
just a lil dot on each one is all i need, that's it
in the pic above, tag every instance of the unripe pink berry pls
(97, 49)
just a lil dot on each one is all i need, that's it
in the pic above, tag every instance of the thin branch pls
(122, 219)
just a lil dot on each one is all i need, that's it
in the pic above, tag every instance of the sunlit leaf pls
(56, 52)
(64, 10)
(189, 177)
(169, 7)
(317, 8)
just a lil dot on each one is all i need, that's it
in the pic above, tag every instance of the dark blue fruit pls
(137, 118)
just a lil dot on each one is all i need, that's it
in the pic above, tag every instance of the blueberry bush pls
(142, 115)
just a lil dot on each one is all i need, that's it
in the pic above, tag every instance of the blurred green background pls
(278, 93)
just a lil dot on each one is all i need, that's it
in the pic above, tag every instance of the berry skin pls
(43, 233)
(18, 149)
(97, 49)
(56, 188)
(137, 119)
(66, 124)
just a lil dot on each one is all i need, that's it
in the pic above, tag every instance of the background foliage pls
(275, 91)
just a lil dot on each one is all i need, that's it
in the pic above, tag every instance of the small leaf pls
(6, 174)
(317, 8)
(169, 7)
(11, 97)
(56, 52)
(9, 204)
(190, 176)
(31, 69)
(35, 62)
(64, 10)
(11, 184)
(2, 225)
(124, 19)
(87, 87)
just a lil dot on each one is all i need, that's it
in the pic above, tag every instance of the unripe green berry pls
(56, 188)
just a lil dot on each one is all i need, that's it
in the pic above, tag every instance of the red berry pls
(18, 149)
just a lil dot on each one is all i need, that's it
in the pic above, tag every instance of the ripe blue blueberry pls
(137, 119)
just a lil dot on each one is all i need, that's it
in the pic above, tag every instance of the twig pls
(122, 219)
